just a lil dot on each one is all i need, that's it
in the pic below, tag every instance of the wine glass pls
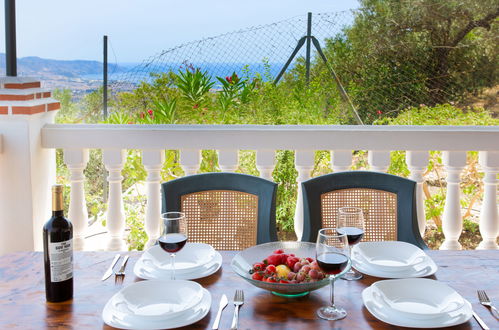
(333, 258)
(173, 235)
(351, 222)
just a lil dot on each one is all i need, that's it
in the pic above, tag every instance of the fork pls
(484, 300)
(238, 301)
(120, 275)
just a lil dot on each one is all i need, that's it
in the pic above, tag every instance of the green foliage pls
(194, 85)
(400, 54)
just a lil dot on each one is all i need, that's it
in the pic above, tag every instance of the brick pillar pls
(26, 169)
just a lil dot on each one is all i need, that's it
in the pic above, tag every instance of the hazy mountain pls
(48, 68)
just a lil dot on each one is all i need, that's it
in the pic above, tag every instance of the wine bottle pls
(58, 252)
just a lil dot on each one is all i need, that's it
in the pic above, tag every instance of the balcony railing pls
(379, 141)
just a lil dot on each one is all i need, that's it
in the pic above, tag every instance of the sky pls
(137, 29)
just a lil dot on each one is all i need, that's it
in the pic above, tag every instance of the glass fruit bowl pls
(243, 262)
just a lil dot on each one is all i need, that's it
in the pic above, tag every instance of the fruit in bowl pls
(244, 262)
(281, 267)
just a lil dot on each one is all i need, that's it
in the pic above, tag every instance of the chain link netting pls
(264, 50)
(259, 48)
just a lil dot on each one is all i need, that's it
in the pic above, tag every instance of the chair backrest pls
(387, 201)
(229, 211)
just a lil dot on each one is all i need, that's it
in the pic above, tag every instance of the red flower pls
(229, 79)
(379, 112)
(149, 112)
(195, 106)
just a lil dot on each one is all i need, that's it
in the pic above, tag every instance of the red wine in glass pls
(172, 242)
(354, 234)
(332, 263)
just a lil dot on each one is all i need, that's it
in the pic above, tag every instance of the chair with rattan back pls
(387, 201)
(229, 211)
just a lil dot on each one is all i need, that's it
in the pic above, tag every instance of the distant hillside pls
(48, 68)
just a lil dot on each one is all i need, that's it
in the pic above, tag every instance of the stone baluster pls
(304, 161)
(153, 161)
(489, 218)
(265, 163)
(114, 160)
(452, 221)
(228, 160)
(417, 161)
(76, 161)
(189, 160)
(341, 160)
(379, 160)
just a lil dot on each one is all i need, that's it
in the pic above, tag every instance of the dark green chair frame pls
(172, 192)
(407, 223)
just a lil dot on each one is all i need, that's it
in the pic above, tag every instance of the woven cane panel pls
(379, 208)
(225, 219)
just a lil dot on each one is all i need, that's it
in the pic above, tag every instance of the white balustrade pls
(341, 160)
(190, 160)
(228, 160)
(153, 162)
(76, 161)
(305, 140)
(489, 218)
(379, 160)
(417, 161)
(265, 163)
(452, 221)
(115, 219)
(304, 161)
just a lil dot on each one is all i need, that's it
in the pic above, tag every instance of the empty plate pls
(157, 299)
(193, 256)
(418, 298)
(390, 255)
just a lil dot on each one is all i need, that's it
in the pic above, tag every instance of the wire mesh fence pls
(384, 80)
(260, 49)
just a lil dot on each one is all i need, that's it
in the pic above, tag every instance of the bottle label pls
(61, 261)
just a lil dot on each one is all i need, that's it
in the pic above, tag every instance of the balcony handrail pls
(291, 137)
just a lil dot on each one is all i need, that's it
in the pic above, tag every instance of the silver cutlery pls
(223, 303)
(484, 300)
(238, 301)
(120, 275)
(480, 321)
(109, 271)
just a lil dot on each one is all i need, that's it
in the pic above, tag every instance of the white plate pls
(157, 299)
(386, 314)
(193, 256)
(149, 272)
(390, 255)
(417, 298)
(425, 269)
(191, 316)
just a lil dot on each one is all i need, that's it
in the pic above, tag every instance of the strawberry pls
(278, 251)
(274, 259)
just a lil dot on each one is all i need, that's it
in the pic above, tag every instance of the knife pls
(480, 321)
(109, 271)
(223, 303)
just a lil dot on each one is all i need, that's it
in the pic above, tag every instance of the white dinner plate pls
(156, 299)
(384, 313)
(364, 253)
(188, 317)
(193, 256)
(150, 272)
(426, 269)
(390, 255)
(417, 298)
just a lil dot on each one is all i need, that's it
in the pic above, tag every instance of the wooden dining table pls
(23, 304)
